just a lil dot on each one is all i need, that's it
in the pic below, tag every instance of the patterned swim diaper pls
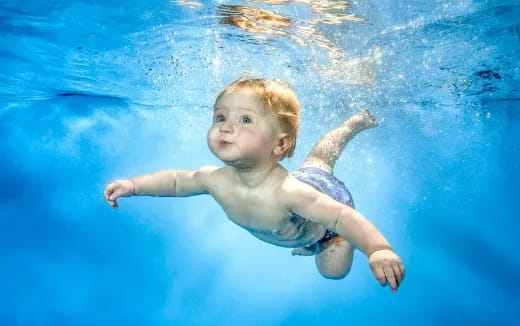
(327, 184)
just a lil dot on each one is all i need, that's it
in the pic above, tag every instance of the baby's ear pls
(283, 143)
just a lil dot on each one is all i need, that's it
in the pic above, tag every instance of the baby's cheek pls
(212, 134)
(253, 138)
(212, 139)
(258, 145)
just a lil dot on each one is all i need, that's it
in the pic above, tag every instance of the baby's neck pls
(254, 177)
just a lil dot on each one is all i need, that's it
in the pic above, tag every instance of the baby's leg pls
(324, 155)
(329, 147)
(334, 258)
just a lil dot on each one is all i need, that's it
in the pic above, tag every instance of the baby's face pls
(243, 132)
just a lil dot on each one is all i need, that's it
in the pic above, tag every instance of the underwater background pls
(92, 91)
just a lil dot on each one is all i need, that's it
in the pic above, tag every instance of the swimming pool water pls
(92, 91)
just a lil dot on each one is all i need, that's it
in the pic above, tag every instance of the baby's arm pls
(310, 203)
(171, 182)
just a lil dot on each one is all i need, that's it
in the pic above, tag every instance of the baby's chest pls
(254, 211)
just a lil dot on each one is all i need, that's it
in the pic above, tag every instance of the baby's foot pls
(307, 251)
(361, 121)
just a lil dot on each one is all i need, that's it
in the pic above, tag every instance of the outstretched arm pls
(171, 183)
(318, 207)
(306, 201)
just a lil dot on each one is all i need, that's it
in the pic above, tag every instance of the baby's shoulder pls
(292, 191)
(213, 175)
(290, 182)
(208, 175)
(216, 171)
(209, 169)
(288, 186)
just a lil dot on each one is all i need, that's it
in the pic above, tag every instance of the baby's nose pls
(226, 126)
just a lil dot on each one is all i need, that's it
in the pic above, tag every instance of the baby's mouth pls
(223, 143)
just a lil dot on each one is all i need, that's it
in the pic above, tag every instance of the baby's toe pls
(302, 252)
(368, 118)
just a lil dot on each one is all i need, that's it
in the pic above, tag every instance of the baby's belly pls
(294, 235)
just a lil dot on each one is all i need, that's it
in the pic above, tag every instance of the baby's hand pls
(118, 188)
(387, 266)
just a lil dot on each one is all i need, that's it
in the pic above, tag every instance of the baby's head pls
(277, 111)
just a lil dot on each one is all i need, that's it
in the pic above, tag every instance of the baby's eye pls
(246, 120)
(218, 118)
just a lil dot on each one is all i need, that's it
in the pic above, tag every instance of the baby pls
(254, 126)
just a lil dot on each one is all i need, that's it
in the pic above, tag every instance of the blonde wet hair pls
(279, 98)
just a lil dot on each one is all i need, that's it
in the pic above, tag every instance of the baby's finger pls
(110, 202)
(113, 203)
(116, 194)
(105, 192)
(109, 189)
(379, 274)
(389, 273)
(397, 273)
(401, 266)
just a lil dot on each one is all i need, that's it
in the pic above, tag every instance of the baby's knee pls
(334, 274)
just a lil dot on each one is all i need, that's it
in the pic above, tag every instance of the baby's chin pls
(241, 163)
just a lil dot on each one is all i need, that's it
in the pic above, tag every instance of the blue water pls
(91, 91)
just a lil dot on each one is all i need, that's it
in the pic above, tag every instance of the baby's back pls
(260, 211)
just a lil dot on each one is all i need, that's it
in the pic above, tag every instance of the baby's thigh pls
(334, 259)
(316, 162)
